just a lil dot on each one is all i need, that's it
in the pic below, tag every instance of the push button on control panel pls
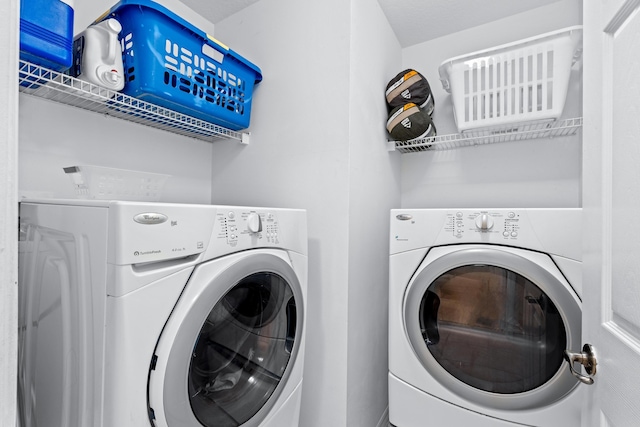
(454, 224)
(227, 228)
(511, 226)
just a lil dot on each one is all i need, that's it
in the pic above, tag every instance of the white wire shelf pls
(44, 83)
(516, 132)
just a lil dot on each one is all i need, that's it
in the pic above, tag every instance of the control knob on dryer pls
(484, 222)
(254, 222)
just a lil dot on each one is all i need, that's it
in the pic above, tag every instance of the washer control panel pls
(236, 226)
(505, 224)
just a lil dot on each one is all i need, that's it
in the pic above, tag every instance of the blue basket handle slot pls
(213, 51)
(184, 23)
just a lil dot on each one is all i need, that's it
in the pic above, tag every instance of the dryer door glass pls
(242, 350)
(493, 329)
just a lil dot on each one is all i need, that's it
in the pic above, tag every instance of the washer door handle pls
(587, 359)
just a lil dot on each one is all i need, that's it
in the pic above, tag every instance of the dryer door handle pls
(587, 359)
(430, 318)
(292, 320)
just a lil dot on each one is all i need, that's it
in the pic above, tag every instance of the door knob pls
(587, 359)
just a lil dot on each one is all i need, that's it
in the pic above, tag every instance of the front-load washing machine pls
(482, 305)
(149, 314)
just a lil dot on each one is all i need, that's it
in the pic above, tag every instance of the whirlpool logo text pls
(139, 253)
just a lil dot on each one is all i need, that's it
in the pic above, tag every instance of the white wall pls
(318, 142)
(53, 136)
(299, 158)
(534, 173)
(9, 11)
(374, 189)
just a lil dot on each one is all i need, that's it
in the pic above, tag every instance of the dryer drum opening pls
(499, 332)
(490, 324)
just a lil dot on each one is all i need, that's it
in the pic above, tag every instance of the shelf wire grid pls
(515, 132)
(58, 87)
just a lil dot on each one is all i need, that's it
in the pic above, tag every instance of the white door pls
(611, 201)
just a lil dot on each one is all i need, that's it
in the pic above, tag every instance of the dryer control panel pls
(550, 230)
(497, 223)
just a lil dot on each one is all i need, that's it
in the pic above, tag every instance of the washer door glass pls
(491, 324)
(493, 329)
(242, 350)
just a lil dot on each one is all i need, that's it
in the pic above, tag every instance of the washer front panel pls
(231, 351)
(491, 324)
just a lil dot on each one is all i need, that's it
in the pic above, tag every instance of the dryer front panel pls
(491, 324)
(229, 346)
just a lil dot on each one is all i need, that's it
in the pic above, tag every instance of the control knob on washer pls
(254, 222)
(484, 222)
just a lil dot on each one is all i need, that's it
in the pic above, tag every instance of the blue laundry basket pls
(171, 63)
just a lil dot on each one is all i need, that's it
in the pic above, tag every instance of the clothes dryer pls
(483, 303)
(177, 315)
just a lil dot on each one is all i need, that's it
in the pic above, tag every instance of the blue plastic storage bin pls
(171, 63)
(46, 33)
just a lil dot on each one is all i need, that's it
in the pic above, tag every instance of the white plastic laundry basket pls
(523, 81)
(102, 183)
